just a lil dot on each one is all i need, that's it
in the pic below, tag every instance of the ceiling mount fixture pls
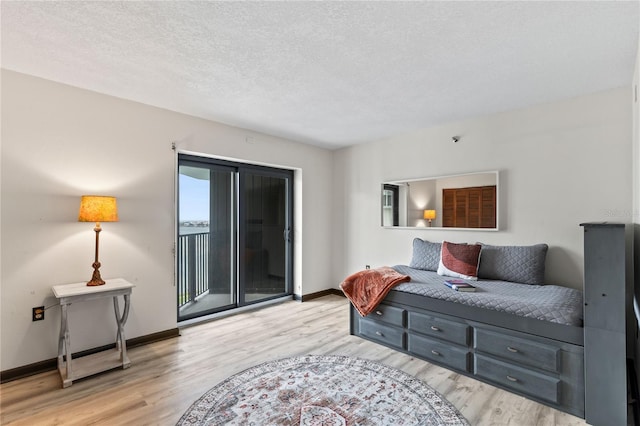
(455, 138)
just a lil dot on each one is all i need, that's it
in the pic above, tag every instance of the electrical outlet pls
(37, 313)
(367, 267)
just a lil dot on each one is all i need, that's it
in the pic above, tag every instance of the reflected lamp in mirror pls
(97, 208)
(429, 215)
(463, 201)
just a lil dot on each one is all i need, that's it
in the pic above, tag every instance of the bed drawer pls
(519, 379)
(439, 327)
(388, 314)
(438, 351)
(522, 351)
(382, 333)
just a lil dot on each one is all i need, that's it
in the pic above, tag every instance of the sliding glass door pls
(234, 240)
(265, 235)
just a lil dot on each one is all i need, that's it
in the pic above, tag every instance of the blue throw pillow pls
(518, 264)
(426, 255)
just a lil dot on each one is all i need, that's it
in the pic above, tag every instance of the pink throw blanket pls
(366, 289)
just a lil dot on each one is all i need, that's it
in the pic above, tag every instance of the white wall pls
(635, 108)
(59, 142)
(635, 102)
(560, 164)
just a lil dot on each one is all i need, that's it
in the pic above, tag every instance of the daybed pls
(513, 332)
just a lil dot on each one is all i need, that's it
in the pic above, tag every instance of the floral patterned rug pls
(322, 390)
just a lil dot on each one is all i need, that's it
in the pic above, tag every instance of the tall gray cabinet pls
(608, 326)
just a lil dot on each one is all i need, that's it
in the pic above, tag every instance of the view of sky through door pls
(194, 204)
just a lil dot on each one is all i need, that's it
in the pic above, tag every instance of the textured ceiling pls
(327, 73)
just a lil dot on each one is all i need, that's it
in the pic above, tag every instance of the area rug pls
(322, 390)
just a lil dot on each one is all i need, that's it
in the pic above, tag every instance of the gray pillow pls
(426, 255)
(518, 264)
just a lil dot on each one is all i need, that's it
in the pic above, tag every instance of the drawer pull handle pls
(379, 313)
(511, 378)
(378, 333)
(510, 349)
(434, 328)
(436, 353)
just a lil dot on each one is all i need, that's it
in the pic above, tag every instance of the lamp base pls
(93, 282)
(96, 279)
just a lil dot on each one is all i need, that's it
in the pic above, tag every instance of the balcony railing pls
(193, 267)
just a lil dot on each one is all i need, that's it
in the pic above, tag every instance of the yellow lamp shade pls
(97, 208)
(429, 214)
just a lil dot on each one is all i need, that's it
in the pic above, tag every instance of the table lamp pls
(96, 208)
(429, 215)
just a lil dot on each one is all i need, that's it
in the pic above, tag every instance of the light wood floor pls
(166, 377)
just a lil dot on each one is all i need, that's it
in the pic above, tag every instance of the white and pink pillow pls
(459, 260)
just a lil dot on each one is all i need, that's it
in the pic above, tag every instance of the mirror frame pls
(423, 225)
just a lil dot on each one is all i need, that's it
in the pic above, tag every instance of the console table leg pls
(63, 317)
(123, 321)
(116, 310)
(66, 336)
(121, 343)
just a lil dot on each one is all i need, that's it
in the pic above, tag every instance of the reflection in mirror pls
(467, 201)
(390, 205)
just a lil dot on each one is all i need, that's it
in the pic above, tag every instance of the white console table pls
(68, 294)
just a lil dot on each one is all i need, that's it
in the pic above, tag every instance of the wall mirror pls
(465, 201)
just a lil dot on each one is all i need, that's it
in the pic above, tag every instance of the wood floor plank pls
(166, 377)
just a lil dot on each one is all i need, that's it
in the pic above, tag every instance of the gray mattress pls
(552, 303)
